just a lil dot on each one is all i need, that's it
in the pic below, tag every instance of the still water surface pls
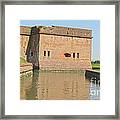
(51, 85)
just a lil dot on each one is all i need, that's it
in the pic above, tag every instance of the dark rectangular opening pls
(48, 53)
(73, 55)
(67, 55)
(31, 53)
(44, 53)
(77, 55)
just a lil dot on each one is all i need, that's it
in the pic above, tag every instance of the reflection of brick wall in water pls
(57, 47)
(55, 86)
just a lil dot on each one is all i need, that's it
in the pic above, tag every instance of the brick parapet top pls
(58, 30)
(25, 30)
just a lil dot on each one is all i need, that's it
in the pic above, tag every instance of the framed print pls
(59, 59)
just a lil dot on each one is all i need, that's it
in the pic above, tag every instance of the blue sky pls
(94, 25)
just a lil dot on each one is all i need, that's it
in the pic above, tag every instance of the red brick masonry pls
(37, 41)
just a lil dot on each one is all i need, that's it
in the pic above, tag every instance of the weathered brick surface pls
(25, 30)
(58, 46)
(23, 45)
(58, 40)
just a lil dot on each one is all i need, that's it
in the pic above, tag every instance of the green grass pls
(96, 66)
(22, 61)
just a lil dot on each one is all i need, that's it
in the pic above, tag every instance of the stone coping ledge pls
(26, 67)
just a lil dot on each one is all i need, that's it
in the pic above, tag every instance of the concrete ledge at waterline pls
(26, 68)
(89, 74)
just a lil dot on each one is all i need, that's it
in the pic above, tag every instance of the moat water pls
(58, 85)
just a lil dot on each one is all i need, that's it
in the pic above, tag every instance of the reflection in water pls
(51, 85)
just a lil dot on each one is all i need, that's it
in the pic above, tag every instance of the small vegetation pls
(22, 61)
(96, 65)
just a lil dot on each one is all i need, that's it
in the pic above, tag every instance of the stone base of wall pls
(56, 65)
